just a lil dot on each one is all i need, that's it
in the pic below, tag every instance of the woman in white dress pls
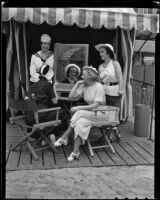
(94, 95)
(44, 56)
(110, 75)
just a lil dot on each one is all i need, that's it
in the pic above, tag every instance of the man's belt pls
(113, 83)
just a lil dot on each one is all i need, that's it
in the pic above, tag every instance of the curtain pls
(123, 44)
(17, 83)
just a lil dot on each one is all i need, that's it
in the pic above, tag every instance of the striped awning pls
(110, 18)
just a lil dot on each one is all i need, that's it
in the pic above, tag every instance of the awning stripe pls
(126, 20)
(51, 16)
(68, 16)
(20, 15)
(110, 19)
(59, 15)
(96, 19)
(89, 18)
(37, 16)
(82, 18)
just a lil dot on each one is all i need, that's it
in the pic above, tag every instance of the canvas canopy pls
(116, 26)
(110, 18)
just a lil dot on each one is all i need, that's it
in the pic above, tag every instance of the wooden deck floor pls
(130, 150)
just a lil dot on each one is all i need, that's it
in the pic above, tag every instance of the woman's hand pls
(120, 92)
(79, 83)
(74, 109)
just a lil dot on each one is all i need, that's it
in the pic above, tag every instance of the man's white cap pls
(49, 74)
(45, 38)
(98, 46)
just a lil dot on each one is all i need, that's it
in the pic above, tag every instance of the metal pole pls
(152, 114)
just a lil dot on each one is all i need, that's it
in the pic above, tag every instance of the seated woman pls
(72, 72)
(46, 97)
(94, 95)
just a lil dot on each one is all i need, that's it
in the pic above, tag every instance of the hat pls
(45, 38)
(98, 46)
(72, 65)
(92, 69)
(49, 73)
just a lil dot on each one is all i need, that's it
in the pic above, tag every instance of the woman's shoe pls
(60, 141)
(73, 156)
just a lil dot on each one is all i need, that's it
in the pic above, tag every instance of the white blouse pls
(92, 93)
(36, 63)
(107, 74)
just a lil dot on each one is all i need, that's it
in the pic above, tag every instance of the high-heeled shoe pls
(61, 141)
(73, 156)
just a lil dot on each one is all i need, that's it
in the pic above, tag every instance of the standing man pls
(44, 56)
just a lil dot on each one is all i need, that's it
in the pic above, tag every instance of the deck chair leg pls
(90, 147)
(32, 150)
(22, 140)
(110, 145)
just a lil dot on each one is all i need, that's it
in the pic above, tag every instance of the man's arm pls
(33, 73)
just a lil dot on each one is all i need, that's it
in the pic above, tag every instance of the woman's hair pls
(67, 73)
(110, 52)
(91, 75)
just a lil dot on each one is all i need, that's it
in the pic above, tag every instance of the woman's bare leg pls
(77, 143)
(67, 133)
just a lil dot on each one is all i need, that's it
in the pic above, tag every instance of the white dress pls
(107, 74)
(36, 63)
(82, 120)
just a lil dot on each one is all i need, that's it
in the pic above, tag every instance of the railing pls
(144, 99)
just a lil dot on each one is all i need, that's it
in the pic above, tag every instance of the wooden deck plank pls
(128, 159)
(115, 157)
(25, 158)
(133, 153)
(142, 152)
(68, 149)
(149, 143)
(48, 156)
(13, 159)
(37, 164)
(96, 161)
(126, 154)
(83, 159)
(106, 160)
(144, 145)
(60, 159)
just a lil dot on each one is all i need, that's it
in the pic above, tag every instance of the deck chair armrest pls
(47, 124)
(105, 123)
(13, 119)
(49, 109)
(106, 108)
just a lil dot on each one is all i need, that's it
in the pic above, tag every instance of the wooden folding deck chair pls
(105, 128)
(30, 105)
